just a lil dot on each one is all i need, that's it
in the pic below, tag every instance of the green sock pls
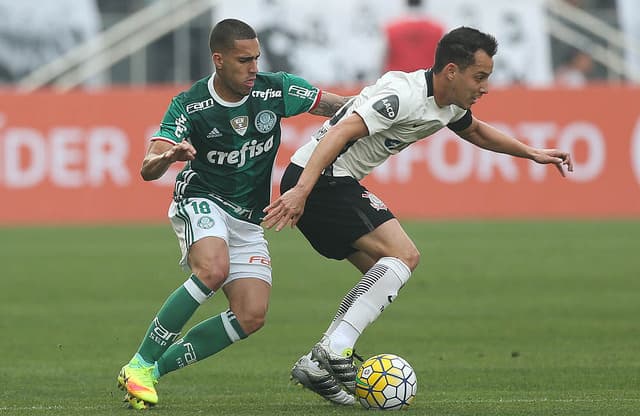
(174, 313)
(202, 341)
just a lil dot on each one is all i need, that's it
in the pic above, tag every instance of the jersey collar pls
(219, 99)
(428, 74)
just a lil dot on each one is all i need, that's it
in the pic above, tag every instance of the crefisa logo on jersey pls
(181, 127)
(239, 157)
(265, 121)
(265, 95)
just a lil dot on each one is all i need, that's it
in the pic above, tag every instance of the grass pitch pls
(501, 318)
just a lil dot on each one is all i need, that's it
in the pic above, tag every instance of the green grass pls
(501, 318)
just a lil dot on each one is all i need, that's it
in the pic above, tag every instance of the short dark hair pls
(226, 32)
(460, 45)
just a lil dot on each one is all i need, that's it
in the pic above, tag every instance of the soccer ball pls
(386, 382)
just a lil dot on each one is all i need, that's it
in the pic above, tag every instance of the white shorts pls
(196, 218)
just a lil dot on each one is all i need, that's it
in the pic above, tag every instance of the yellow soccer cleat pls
(135, 403)
(139, 384)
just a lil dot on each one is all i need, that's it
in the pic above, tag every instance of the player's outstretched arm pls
(558, 157)
(288, 208)
(488, 137)
(329, 104)
(160, 155)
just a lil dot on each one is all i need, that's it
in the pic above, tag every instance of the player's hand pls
(557, 157)
(181, 152)
(286, 210)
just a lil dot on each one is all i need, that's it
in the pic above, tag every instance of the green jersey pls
(236, 143)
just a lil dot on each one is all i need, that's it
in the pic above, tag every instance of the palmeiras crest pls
(265, 121)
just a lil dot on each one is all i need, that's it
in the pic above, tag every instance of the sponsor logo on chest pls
(239, 158)
(265, 95)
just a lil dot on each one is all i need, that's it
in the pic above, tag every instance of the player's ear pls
(450, 70)
(216, 57)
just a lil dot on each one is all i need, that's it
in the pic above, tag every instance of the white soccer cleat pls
(307, 373)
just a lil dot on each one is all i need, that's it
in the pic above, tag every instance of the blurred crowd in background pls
(542, 42)
(558, 61)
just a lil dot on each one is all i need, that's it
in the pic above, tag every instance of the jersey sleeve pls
(299, 95)
(175, 126)
(387, 107)
(461, 122)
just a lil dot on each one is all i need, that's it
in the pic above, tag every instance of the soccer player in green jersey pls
(227, 128)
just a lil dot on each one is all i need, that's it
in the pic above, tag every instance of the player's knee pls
(404, 250)
(251, 320)
(211, 276)
(399, 269)
(411, 258)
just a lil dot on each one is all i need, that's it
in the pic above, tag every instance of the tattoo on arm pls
(329, 104)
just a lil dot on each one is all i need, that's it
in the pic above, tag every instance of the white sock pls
(345, 304)
(366, 301)
(343, 336)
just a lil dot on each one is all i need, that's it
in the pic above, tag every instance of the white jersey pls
(399, 109)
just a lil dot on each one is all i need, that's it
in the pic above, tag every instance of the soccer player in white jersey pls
(341, 219)
(227, 128)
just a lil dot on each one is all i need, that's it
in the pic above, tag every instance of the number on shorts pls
(201, 208)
